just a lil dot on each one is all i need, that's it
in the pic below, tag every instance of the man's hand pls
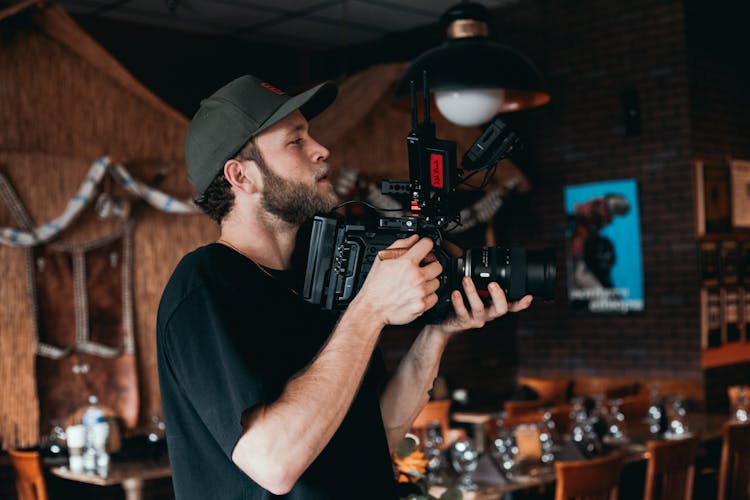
(479, 313)
(400, 289)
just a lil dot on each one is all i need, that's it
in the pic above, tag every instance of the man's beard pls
(294, 202)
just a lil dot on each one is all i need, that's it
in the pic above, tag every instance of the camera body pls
(342, 254)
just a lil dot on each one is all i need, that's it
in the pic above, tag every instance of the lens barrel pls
(517, 270)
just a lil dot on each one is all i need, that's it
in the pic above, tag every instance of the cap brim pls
(310, 103)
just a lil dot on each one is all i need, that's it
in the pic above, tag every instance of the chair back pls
(434, 411)
(635, 407)
(732, 392)
(560, 415)
(29, 478)
(595, 479)
(671, 469)
(552, 390)
(734, 471)
(518, 408)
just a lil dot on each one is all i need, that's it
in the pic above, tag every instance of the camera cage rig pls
(433, 170)
(342, 254)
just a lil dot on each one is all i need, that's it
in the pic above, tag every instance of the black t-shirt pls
(229, 337)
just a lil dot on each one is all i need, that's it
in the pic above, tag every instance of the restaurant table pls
(493, 484)
(129, 474)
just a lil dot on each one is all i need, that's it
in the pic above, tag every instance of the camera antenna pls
(426, 95)
(413, 98)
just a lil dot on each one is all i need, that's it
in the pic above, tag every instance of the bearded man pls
(263, 393)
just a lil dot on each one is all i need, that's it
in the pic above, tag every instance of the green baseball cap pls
(236, 112)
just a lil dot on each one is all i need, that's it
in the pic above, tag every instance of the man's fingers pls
(475, 301)
(520, 305)
(499, 302)
(404, 242)
(420, 250)
(458, 305)
(432, 270)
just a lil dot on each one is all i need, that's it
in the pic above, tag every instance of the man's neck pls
(268, 244)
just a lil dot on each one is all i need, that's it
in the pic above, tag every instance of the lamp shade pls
(469, 107)
(471, 61)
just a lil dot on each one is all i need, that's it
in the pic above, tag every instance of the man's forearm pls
(283, 438)
(407, 392)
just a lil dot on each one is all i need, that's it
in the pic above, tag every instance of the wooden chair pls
(524, 418)
(29, 478)
(517, 408)
(732, 392)
(553, 390)
(560, 415)
(595, 479)
(635, 408)
(609, 387)
(671, 469)
(734, 471)
(434, 411)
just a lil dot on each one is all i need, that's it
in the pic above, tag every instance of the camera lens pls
(518, 271)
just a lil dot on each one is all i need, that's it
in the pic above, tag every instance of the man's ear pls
(243, 175)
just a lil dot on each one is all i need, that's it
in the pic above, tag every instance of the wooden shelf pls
(728, 354)
(736, 235)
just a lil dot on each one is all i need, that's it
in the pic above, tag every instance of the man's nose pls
(320, 152)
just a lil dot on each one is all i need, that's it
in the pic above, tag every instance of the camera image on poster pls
(605, 274)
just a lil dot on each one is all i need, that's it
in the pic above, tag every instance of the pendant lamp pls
(472, 77)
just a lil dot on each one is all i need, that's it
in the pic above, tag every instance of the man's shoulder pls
(211, 274)
(193, 274)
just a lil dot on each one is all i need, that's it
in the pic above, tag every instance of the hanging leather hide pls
(83, 308)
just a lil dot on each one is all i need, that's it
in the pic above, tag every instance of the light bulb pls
(469, 107)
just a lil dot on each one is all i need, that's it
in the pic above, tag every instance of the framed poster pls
(712, 198)
(605, 274)
(740, 193)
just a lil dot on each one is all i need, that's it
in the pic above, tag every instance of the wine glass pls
(676, 414)
(55, 440)
(155, 440)
(741, 405)
(433, 453)
(582, 432)
(465, 458)
(654, 415)
(615, 422)
(504, 449)
(546, 438)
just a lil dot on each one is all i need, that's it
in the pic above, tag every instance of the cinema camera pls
(342, 254)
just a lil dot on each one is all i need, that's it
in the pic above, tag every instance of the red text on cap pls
(273, 89)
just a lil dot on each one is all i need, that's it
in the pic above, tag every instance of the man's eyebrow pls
(300, 127)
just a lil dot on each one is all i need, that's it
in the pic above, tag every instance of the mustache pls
(324, 170)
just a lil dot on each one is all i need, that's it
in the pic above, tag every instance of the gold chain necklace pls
(263, 269)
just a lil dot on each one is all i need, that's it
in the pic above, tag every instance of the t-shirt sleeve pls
(219, 379)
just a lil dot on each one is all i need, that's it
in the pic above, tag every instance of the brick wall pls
(684, 59)
(591, 51)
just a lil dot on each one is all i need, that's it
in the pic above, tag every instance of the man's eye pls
(297, 141)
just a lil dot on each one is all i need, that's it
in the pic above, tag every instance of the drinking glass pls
(76, 442)
(465, 458)
(504, 449)
(156, 438)
(677, 417)
(546, 438)
(741, 405)
(616, 422)
(55, 440)
(582, 432)
(655, 414)
(433, 453)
